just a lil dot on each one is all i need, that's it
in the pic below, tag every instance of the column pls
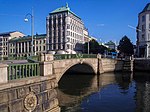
(28, 47)
(4, 74)
(48, 33)
(25, 47)
(52, 33)
(18, 49)
(56, 32)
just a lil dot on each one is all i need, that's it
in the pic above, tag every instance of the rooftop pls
(146, 8)
(64, 9)
(61, 9)
(6, 33)
(110, 43)
(28, 37)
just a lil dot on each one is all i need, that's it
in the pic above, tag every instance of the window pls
(54, 46)
(44, 48)
(143, 36)
(143, 28)
(143, 18)
(44, 41)
(68, 26)
(67, 46)
(67, 33)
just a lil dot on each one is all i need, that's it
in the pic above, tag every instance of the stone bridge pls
(97, 65)
(22, 83)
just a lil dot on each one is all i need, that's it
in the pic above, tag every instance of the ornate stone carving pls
(30, 102)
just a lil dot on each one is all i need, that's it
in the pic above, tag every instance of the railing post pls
(26, 67)
(23, 71)
(42, 57)
(99, 56)
(4, 73)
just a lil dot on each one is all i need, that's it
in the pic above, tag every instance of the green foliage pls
(93, 47)
(125, 46)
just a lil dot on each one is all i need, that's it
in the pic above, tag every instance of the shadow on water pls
(141, 77)
(75, 84)
(104, 93)
(142, 94)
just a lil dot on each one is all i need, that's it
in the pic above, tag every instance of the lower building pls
(22, 47)
(111, 45)
(143, 33)
(4, 38)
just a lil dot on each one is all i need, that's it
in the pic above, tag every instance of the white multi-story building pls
(4, 38)
(143, 33)
(64, 31)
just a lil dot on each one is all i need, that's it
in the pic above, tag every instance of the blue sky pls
(105, 19)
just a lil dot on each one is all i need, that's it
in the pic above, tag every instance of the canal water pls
(109, 92)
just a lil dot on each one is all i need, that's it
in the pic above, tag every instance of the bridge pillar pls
(46, 68)
(46, 64)
(3, 74)
(46, 57)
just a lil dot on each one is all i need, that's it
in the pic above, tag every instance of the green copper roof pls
(64, 9)
(61, 9)
(147, 8)
(26, 38)
(110, 43)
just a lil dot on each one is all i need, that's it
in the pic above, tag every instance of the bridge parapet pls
(73, 56)
(19, 71)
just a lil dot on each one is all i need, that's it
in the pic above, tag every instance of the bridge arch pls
(87, 67)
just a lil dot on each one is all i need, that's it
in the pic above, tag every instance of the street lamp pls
(89, 45)
(91, 38)
(32, 28)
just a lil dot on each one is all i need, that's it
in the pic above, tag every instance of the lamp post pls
(89, 45)
(32, 28)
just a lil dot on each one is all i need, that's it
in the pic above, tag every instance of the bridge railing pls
(17, 58)
(19, 71)
(33, 58)
(73, 56)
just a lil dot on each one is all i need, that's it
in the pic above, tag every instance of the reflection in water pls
(108, 92)
(142, 95)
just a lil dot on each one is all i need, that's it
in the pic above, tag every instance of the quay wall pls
(110, 65)
(142, 65)
(36, 94)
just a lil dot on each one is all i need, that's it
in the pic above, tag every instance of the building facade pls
(87, 38)
(111, 45)
(4, 38)
(64, 31)
(143, 33)
(22, 47)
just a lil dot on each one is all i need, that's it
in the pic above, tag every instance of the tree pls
(125, 46)
(93, 47)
